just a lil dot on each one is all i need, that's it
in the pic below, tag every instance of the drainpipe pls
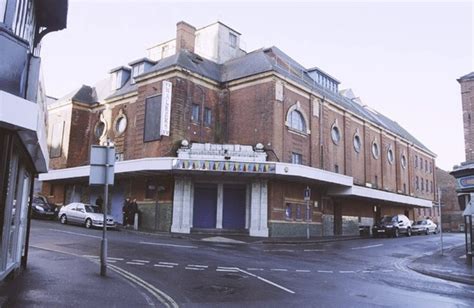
(321, 149)
(24, 259)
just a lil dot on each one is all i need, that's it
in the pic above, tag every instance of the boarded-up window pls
(152, 118)
(56, 139)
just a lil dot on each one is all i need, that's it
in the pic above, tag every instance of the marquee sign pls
(223, 166)
(466, 182)
(165, 108)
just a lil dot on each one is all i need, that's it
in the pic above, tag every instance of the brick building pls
(451, 213)
(23, 148)
(209, 136)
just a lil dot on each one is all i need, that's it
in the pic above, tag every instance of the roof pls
(467, 77)
(141, 60)
(83, 94)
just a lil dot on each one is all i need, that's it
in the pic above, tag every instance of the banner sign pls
(208, 165)
(165, 108)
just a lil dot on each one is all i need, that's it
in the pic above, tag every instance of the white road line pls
(367, 271)
(74, 233)
(228, 267)
(279, 250)
(142, 261)
(197, 265)
(319, 271)
(88, 256)
(267, 281)
(226, 270)
(303, 271)
(135, 263)
(194, 268)
(346, 272)
(279, 269)
(365, 247)
(162, 265)
(169, 263)
(168, 245)
(311, 250)
(387, 271)
(254, 269)
(116, 259)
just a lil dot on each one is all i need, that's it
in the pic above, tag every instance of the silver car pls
(424, 226)
(84, 214)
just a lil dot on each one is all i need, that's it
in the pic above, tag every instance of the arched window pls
(297, 121)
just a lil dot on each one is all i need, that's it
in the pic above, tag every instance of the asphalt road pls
(362, 272)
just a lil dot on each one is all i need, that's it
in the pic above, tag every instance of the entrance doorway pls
(205, 206)
(234, 207)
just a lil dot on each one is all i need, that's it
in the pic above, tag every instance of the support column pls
(220, 205)
(259, 209)
(182, 206)
(247, 205)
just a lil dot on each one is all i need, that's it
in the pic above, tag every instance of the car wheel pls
(88, 223)
(427, 231)
(63, 219)
(396, 233)
(409, 232)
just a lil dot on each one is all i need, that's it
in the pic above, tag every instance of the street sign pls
(307, 193)
(102, 165)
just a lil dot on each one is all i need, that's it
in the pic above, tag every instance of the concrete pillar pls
(247, 205)
(182, 206)
(220, 205)
(259, 209)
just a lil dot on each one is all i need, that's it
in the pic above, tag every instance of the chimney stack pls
(185, 36)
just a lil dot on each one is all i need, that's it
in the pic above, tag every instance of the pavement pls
(48, 282)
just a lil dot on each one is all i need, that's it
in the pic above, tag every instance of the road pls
(362, 272)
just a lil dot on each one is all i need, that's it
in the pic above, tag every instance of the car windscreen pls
(389, 219)
(421, 222)
(92, 209)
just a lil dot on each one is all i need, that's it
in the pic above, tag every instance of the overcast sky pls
(401, 58)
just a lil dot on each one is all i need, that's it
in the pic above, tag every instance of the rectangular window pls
(426, 165)
(138, 69)
(336, 168)
(207, 117)
(298, 211)
(196, 113)
(417, 185)
(152, 118)
(431, 167)
(422, 185)
(55, 147)
(376, 181)
(416, 161)
(404, 188)
(427, 187)
(288, 212)
(296, 158)
(432, 187)
(232, 40)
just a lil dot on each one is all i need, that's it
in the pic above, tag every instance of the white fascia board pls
(125, 166)
(311, 173)
(370, 193)
(18, 112)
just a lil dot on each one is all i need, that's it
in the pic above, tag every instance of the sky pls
(401, 58)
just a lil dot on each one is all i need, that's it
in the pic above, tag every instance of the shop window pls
(150, 189)
(298, 212)
(207, 117)
(152, 118)
(196, 113)
(288, 212)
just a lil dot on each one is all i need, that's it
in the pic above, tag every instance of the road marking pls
(319, 250)
(162, 265)
(267, 281)
(111, 261)
(279, 250)
(365, 247)
(226, 270)
(135, 263)
(228, 267)
(142, 261)
(168, 245)
(367, 271)
(169, 263)
(194, 268)
(197, 265)
(74, 233)
(161, 296)
(89, 256)
(346, 272)
(319, 271)
(387, 271)
(303, 271)
(116, 259)
(254, 269)
(279, 269)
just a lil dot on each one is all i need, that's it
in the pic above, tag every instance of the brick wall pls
(467, 94)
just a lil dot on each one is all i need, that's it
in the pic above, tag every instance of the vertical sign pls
(165, 108)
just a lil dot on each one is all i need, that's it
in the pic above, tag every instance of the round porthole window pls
(390, 155)
(335, 134)
(375, 150)
(99, 129)
(121, 124)
(357, 143)
(404, 161)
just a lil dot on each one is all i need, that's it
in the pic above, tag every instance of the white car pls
(84, 214)
(425, 226)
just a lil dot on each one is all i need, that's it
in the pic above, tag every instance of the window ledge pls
(297, 132)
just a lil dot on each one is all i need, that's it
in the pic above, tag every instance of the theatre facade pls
(210, 138)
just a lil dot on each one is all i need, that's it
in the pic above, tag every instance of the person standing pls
(126, 211)
(133, 209)
(99, 202)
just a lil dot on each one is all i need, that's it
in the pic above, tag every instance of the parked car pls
(392, 226)
(41, 208)
(84, 214)
(425, 226)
